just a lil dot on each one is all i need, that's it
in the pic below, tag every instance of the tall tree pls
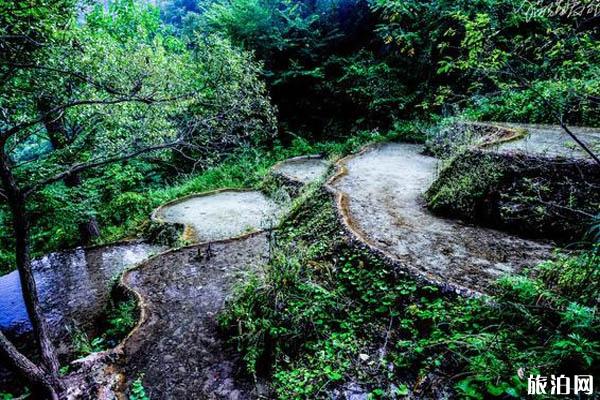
(101, 91)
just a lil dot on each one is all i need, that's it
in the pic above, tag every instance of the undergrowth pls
(120, 318)
(324, 315)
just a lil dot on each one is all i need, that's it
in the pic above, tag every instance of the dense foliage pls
(372, 61)
(157, 102)
(113, 85)
(330, 67)
(324, 314)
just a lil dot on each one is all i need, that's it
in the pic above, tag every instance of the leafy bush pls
(121, 320)
(323, 314)
(531, 105)
(83, 345)
(574, 277)
(137, 391)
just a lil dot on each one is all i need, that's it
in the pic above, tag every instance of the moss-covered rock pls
(535, 196)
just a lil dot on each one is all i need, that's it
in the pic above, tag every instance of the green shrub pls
(83, 345)
(137, 391)
(121, 320)
(324, 313)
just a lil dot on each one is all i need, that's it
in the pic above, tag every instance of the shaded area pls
(303, 169)
(177, 346)
(224, 214)
(382, 201)
(74, 287)
(534, 196)
(534, 180)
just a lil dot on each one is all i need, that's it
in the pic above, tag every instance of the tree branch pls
(75, 74)
(76, 103)
(22, 364)
(77, 168)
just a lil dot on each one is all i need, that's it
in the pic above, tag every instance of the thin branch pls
(74, 74)
(579, 142)
(77, 168)
(76, 103)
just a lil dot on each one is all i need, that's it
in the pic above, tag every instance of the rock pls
(353, 391)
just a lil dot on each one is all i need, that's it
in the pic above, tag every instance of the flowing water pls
(551, 141)
(383, 188)
(224, 214)
(74, 287)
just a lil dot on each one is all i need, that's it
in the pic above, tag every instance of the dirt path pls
(379, 195)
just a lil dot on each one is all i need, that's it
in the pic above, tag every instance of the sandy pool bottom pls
(224, 214)
(305, 170)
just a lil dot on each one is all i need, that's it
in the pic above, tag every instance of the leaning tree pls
(101, 91)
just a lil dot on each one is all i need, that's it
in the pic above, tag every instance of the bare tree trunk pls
(88, 230)
(59, 138)
(16, 202)
(31, 372)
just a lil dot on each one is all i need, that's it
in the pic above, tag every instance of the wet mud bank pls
(379, 198)
(546, 141)
(75, 289)
(176, 348)
(302, 170)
